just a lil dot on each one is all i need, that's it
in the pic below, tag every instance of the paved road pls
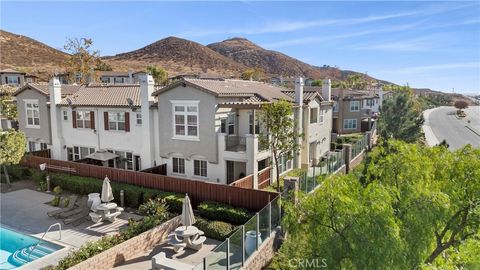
(441, 123)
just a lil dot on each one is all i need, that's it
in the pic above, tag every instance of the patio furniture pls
(81, 205)
(197, 243)
(178, 245)
(161, 262)
(190, 235)
(104, 212)
(96, 218)
(71, 203)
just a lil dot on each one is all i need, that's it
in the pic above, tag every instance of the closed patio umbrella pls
(107, 194)
(187, 212)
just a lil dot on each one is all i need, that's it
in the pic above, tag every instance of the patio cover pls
(102, 155)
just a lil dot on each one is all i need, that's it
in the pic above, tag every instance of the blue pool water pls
(16, 249)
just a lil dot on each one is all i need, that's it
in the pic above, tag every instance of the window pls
(284, 164)
(83, 119)
(116, 120)
(250, 125)
(32, 146)
(369, 102)
(350, 124)
(200, 168)
(33, 113)
(335, 106)
(185, 120)
(129, 161)
(231, 123)
(178, 165)
(223, 125)
(80, 152)
(354, 106)
(118, 80)
(139, 118)
(105, 79)
(65, 115)
(43, 146)
(13, 80)
(69, 153)
(313, 115)
(321, 116)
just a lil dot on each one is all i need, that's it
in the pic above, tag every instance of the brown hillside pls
(272, 62)
(177, 56)
(34, 57)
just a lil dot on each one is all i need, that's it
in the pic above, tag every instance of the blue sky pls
(425, 44)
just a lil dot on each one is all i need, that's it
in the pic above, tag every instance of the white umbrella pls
(187, 212)
(107, 194)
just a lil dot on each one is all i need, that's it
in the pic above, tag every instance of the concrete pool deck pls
(26, 210)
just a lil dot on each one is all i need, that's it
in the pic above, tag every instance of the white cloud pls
(446, 66)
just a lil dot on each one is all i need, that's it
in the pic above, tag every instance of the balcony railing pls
(235, 143)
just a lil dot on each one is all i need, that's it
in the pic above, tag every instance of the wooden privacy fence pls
(245, 182)
(160, 169)
(197, 190)
(264, 178)
(42, 153)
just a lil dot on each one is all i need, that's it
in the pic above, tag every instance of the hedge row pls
(223, 212)
(217, 230)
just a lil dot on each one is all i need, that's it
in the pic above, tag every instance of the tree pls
(254, 74)
(82, 61)
(461, 104)
(12, 142)
(102, 66)
(413, 207)
(281, 133)
(159, 74)
(400, 118)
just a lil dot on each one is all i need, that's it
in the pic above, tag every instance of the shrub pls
(65, 202)
(55, 201)
(42, 186)
(57, 190)
(223, 212)
(217, 230)
(156, 207)
(174, 201)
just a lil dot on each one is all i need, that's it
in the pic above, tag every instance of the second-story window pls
(139, 118)
(185, 120)
(231, 123)
(65, 115)
(13, 80)
(354, 105)
(116, 120)
(335, 106)
(83, 119)
(320, 118)
(313, 115)
(32, 113)
(250, 125)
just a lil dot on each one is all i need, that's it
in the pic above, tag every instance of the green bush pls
(156, 207)
(217, 230)
(55, 201)
(174, 201)
(223, 212)
(57, 190)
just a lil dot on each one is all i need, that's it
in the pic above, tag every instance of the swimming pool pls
(16, 248)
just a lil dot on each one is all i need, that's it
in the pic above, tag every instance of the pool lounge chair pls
(78, 218)
(81, 205)
(71, 203)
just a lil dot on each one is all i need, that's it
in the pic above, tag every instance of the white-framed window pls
(178, 165)
(200, 168)
(284, 164)
(250, 124)
(43, 146)
(223, 125)
(139, 118)
(116, 120)
(13, 80)
(118, 80)
(129, 161)
(65, 115)
(231, 123)
(32, 146)
(320, 117)
(123, 161)
(83, 119)
(335, 106)
(350, 124)
(105, 79)
(185, 119)
(369, 102)
(32, 113)
(313, 115)
(80, 152)
(354, 105)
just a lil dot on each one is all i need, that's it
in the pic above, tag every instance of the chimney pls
(327, 90)
(146, 89)
(54, 88)
(130, 76)
(299, 91)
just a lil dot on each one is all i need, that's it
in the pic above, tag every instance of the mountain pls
(177, 56)
(32, 56)
(250, 54)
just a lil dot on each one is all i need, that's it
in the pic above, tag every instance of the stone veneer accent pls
(130, 248)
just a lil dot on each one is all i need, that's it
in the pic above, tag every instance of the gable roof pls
(9, 70)
(308, 95)
(353, 94)
(232, 88)
(67, 89)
